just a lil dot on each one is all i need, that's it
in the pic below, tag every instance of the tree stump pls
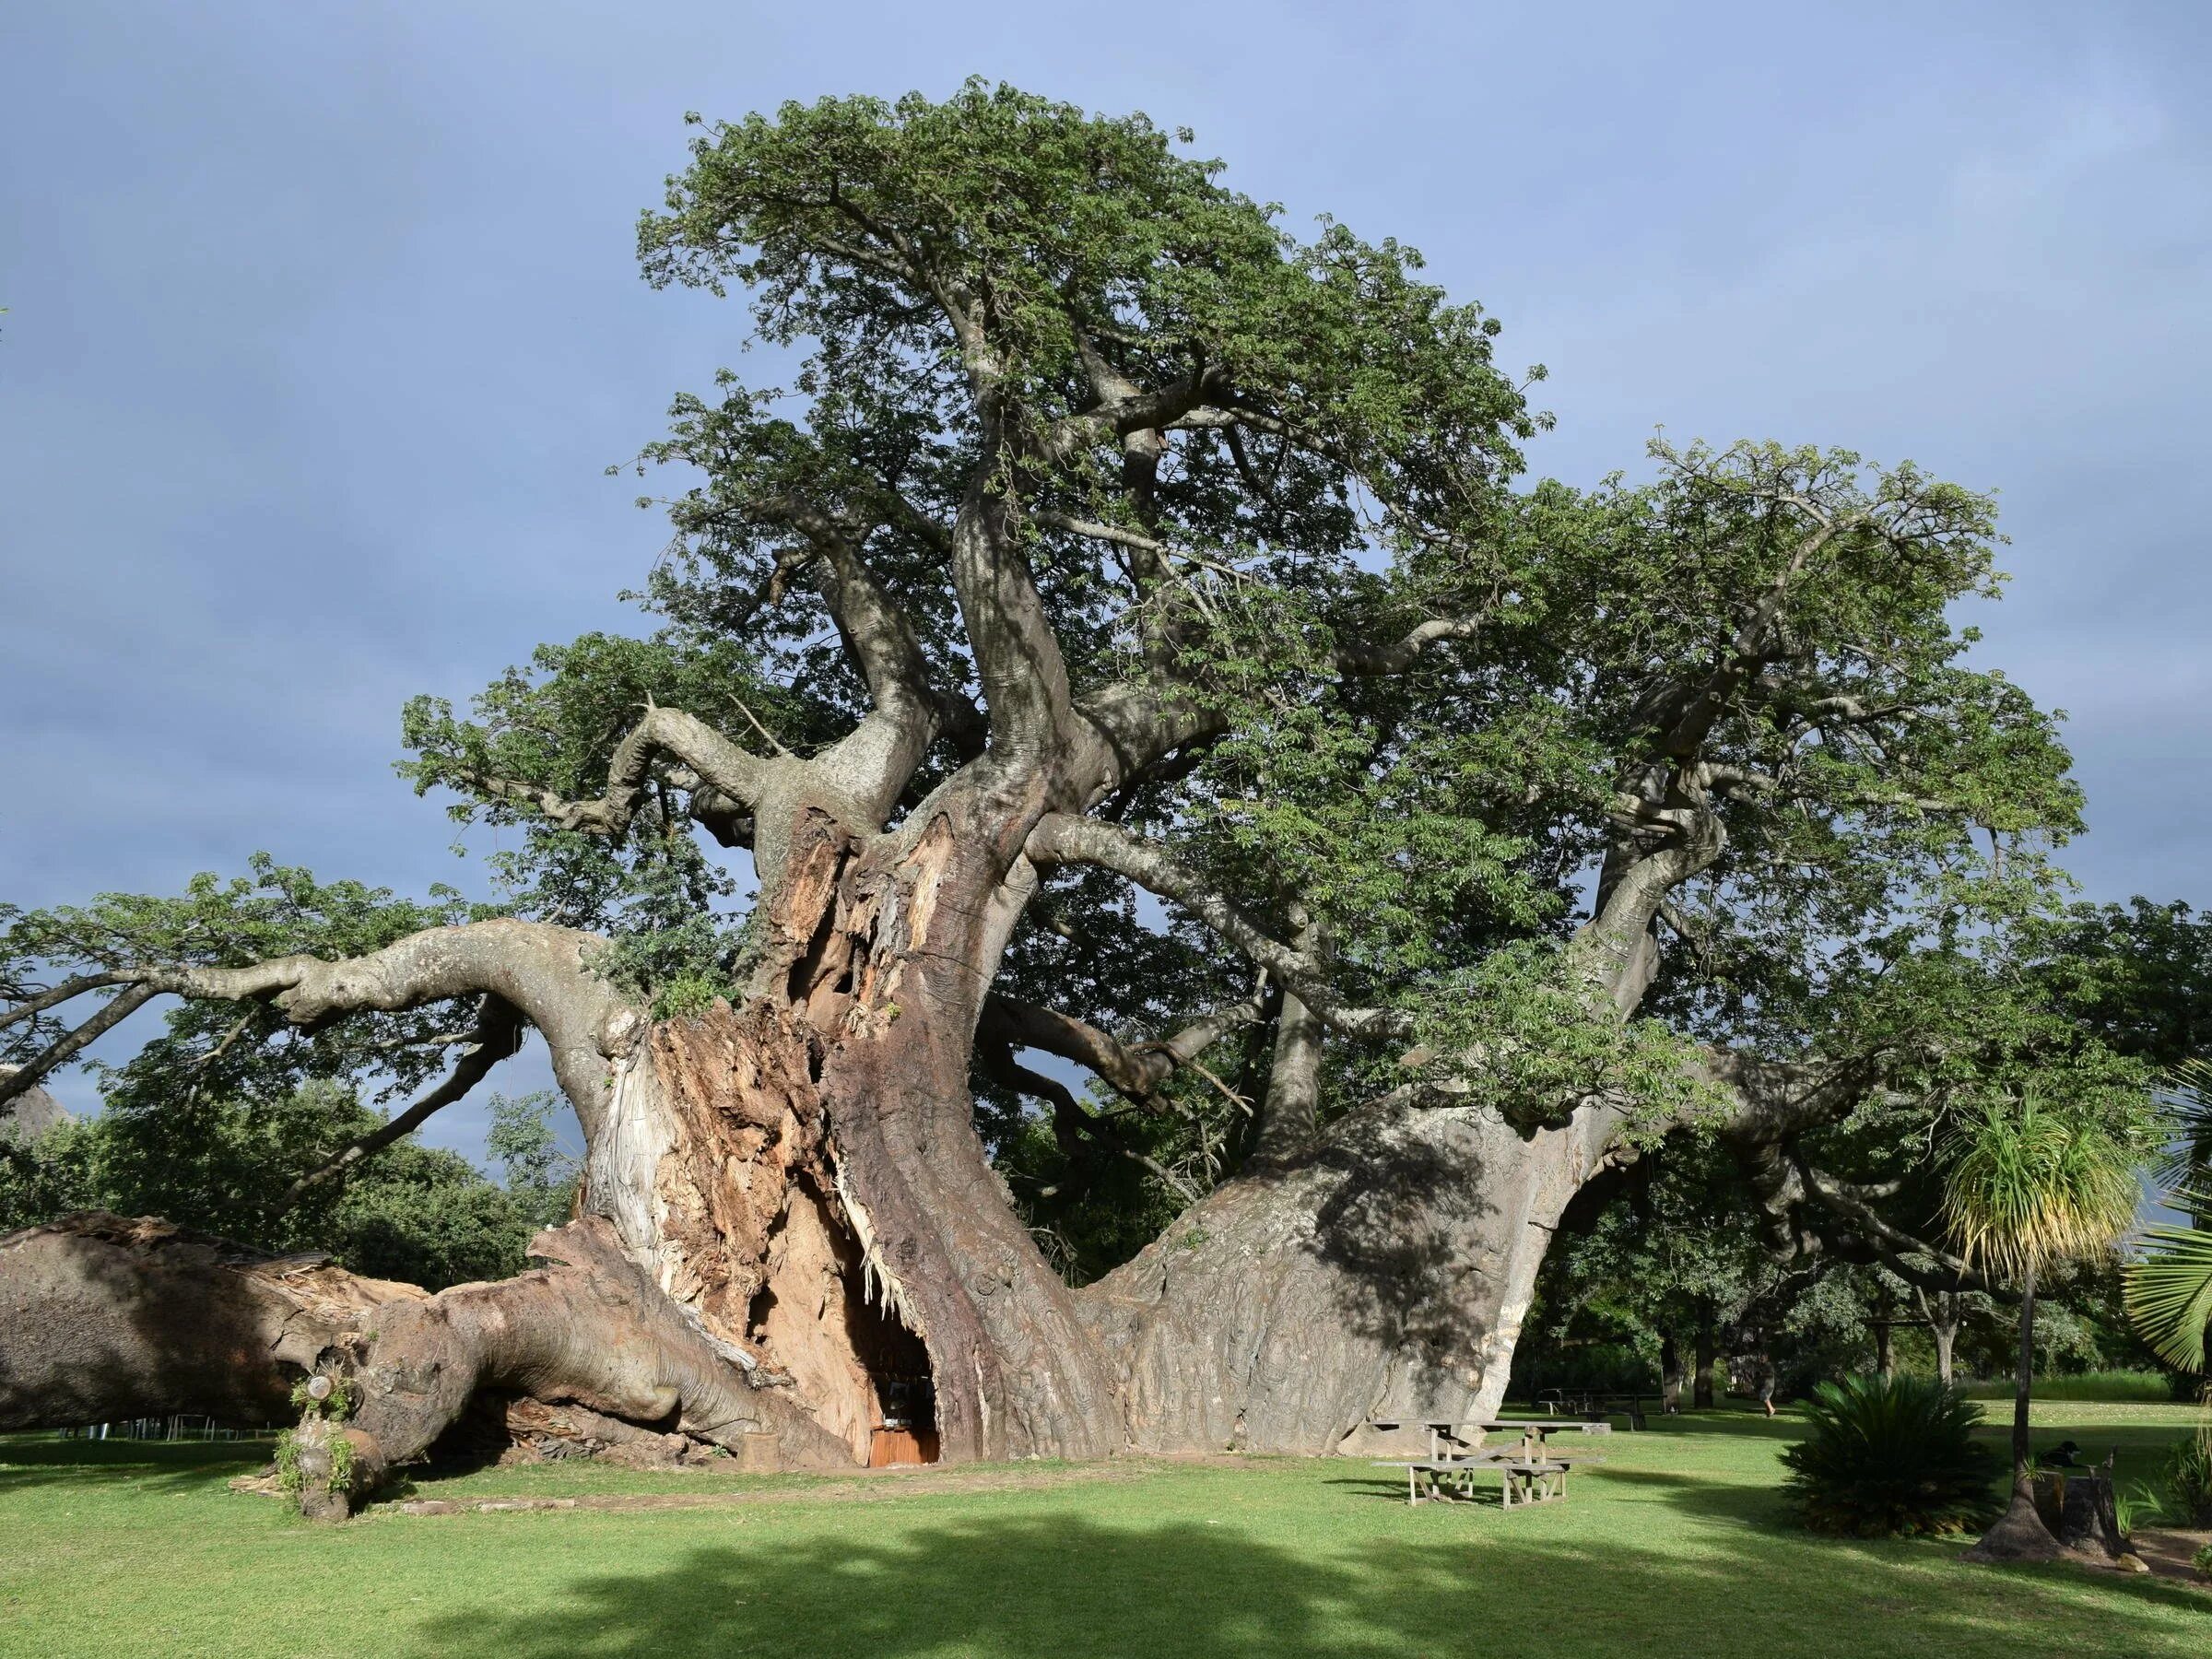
(2077, 1506)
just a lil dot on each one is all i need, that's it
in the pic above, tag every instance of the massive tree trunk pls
(790, 1198)
(1381, 1277)
(106, 1318)
(792, 1230)
(805, 1173)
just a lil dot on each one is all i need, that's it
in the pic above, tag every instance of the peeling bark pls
(916, 941)
(803, 1174)
(588, 1328)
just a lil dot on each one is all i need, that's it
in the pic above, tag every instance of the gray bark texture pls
(110, 1318)
(1381, 1277)
(103, 1317)
(32, 1113)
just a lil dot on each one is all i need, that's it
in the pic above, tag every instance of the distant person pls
(1758, 1378)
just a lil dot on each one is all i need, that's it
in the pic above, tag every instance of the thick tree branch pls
(498, 1033)
(1395, 656)
(1156, 409)
(1292, 1114)
(1018, 658)
(719, 764)
(117, 1009)
(1804, 1208)
(872, 762)
(1128, 728)
(542, 972)
(1135, 1071)
(1063, 838)
(1892, 1242)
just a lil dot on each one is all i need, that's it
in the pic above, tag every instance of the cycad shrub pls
(1891, 1456)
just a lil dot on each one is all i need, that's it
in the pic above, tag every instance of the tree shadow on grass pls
(1066, 1587)
(1735, 1501)
(1753, 1425)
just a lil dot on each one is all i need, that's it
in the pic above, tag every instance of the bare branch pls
(118, 1008)
(1062, 838)
(1071, 1123)
(1135, 1071)
(1397, 656)
(1845, 1202)
(498, 1034)
(39, 1001)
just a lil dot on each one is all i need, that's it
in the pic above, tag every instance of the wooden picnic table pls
(1531, 1474)
(1595, 1403)
(1534, 1431)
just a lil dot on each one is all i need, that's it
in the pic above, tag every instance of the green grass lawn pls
(1680, 1544)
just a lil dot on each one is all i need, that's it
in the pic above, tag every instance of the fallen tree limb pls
(107, 1318)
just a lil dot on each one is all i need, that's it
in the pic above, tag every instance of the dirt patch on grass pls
(862, 1487)
(2170, 1554)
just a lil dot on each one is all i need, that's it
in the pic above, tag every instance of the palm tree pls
(2169, 1290)
(2030, 1185)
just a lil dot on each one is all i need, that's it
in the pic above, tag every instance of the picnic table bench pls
(1530, 1471)
(1534, 1431)
(1594, 1402)
(1522, 1480)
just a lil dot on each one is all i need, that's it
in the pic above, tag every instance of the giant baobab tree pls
(1125, 651)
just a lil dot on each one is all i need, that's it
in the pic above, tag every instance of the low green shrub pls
(2138, 1506)
(1887, 1456)
(2189, 1479)
(2138, 1387)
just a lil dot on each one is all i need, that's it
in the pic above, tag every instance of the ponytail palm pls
(2030, 1185)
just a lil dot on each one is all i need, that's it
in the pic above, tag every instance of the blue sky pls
(323, 321)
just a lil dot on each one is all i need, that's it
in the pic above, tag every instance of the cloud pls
(324, 320)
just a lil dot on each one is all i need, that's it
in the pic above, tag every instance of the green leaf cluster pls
(1885, 1457)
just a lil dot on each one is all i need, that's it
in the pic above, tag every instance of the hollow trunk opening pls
(826, 1318)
